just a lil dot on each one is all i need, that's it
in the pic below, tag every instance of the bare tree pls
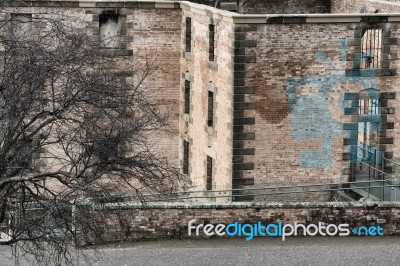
(74, 123)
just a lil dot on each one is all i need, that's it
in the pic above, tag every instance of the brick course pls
(154, 221)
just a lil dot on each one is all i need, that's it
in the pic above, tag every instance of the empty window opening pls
(211, 44)
(185, 157)
(109, 90)
(209, 173)
(187, 97)
(368, 129)
(368, 106)
(109, 30)
(21, 27)
(28, 152)
(188, 34)
(371, 49)
(106, 148)
(210, 111)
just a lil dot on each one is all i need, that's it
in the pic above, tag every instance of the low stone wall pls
(130, 222)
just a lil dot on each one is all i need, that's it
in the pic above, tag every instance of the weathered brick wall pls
(279, 132)
(384, 6)
(215, 141)
(347, 6)
(156, 36)
(171, 220)
(322, 196)
(284, 52)
(266, 146)
(284, 6)
(253, 141)
(391, 83)
(149, 32)
(365, 6)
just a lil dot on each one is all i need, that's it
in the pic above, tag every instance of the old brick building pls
(279, 93)
(306, 99)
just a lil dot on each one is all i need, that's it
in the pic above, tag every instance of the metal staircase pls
(374, 176)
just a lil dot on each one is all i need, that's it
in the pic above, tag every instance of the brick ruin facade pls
(232, 84)
(268, 53)
(159, 220)
(146, 32)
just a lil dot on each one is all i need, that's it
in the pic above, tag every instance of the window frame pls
(371, 48)
(209, 172)
(210, 108)
(104, 19)
(211, 42)
(186, 157)
(16, 22)
(188, 34)
(186, 106)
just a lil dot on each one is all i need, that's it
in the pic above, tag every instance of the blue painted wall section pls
(310, 115)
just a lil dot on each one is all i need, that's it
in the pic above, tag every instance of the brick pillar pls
(243, 117)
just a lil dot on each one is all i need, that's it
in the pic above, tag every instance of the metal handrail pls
(391, 161)
(376, 169)
(358, 146)
(384, 158)
(255, 189)
(266, 194)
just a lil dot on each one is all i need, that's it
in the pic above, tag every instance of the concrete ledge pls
(171, 4)
(87, 3)
(219, 14)
(332, 18)
(102, 3)
(290, 18)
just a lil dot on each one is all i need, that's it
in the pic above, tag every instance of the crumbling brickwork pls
(166, 221)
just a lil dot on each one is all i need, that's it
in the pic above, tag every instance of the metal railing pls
(373, 165)
(253, 192)
(377, 179)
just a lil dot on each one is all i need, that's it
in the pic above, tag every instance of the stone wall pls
(155, 35)
(165, 220)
